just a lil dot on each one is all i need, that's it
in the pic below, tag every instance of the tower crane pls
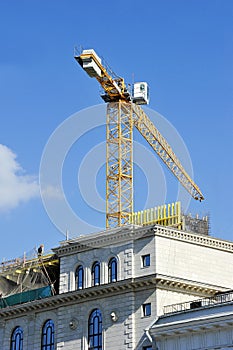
(123, 113)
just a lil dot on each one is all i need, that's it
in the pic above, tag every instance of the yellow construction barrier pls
(165, 215)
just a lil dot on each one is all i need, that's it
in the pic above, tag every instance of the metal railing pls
(199, 303)
(28, 258)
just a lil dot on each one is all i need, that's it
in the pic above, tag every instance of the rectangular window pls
(149, 347)
(146, 260)
(146, 309)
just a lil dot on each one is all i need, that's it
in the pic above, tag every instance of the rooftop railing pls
(199, 303)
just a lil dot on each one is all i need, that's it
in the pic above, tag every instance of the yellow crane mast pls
(123, 113)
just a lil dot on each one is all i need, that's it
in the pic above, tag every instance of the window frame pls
(79, 270)
(112, 267)
(95, 274)
(144, 260)
(145, 310)
(95, 330)
(48, 344)
(17, 338)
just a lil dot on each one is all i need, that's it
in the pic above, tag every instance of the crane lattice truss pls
(119, 165)
(122, 115)
(165, 152)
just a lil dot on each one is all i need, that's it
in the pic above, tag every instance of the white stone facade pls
(182, 267)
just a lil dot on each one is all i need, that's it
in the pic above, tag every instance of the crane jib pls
(114, 87)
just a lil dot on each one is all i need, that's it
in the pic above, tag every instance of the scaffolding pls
(196, 224)
(28, 273)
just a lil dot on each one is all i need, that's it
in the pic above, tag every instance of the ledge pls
(194, 238)
(130, 233)
(110, 289)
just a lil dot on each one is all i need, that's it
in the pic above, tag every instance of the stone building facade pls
(114, 286)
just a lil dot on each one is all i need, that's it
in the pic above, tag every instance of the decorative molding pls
(194, 238)
(103, 239)
(73, 324)
(110, 289)
(134, 232)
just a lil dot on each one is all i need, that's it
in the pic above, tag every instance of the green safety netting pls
(24, 297)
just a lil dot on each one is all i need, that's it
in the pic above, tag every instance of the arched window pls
(17, 339)
(112, 270)
(95, 330)
(79, 273)
(47, 337)
(95, 274)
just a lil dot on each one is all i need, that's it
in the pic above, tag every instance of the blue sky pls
(183, 49)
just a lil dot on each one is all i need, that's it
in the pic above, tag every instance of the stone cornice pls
(133, 232)
(105, 290)
(194, 238)
(187, 286)
(103, 239)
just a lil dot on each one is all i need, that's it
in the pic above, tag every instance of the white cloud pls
(51, 192)
(15, 185)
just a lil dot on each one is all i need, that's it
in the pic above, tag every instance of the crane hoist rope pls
(123, 113)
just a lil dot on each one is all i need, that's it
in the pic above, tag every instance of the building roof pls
(133, 232)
